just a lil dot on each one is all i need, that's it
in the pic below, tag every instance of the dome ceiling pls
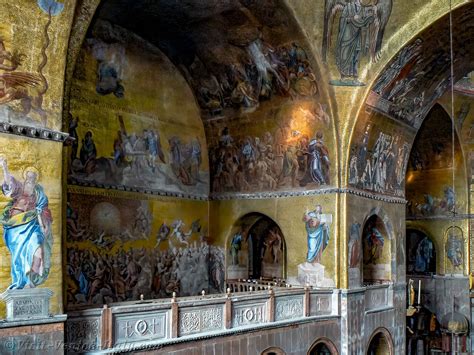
(234, 54)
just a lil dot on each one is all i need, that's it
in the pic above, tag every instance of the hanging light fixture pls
(455, 325)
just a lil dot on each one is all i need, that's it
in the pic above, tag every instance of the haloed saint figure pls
(317, 230)
(26, 222)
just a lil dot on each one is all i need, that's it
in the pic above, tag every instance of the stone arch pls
(380, 343)
(378, 242)
(455, 250)
(392, 115)
(429, 174)
(273, 351)
(255, 248)
(323, 346)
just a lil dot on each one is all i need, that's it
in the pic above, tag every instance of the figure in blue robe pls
(424, 253)
(235, 246)
(317, 233)
(26, 222)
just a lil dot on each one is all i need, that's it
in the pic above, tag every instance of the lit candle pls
(419, 291)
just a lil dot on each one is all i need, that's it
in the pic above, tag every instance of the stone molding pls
(240, 196)
(35, 132)
(326, 191)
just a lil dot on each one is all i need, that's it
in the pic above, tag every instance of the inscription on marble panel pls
(27, 303)
(25, 307)
(249, 314)
(138, 327)
(200, 320)
(320, 305)
(83, 333)
(288, 307)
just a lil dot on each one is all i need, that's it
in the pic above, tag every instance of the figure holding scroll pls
(26, 223)
(317, 229)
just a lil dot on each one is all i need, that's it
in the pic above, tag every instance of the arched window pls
(380, 343)
(273, 351)
(323, 347)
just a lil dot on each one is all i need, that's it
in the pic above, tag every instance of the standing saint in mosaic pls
(26, 222)
(317, 229)
(312, 272)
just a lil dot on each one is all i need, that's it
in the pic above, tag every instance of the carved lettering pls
(27, 307)
(249, 314)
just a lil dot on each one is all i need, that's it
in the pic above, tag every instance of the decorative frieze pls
(200, 320)
(284, 194)
(73, 182)
(33, 132)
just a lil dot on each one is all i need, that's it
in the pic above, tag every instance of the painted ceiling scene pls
(232, 53)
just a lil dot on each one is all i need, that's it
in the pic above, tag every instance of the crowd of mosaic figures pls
(98, 278)
(136, 157)
(285, 159)
(381, 167)
(265, 71)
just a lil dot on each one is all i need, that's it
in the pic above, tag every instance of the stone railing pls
(145, 324)
(254, 285)
(378, 297)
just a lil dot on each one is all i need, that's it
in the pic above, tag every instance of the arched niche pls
(454, 251)
(421, 253)
(323, 346)
(273, 351)
(376, 252)
(380, 343)
(430, 189)
(256, 249)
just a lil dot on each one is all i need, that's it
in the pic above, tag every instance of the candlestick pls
(419, 292)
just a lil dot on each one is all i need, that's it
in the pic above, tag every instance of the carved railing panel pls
(201, 319)
(133, 327)
(249, 313)
(377, 297)
(289, 307)
(134, 324)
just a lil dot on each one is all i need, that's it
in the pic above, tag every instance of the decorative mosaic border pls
(73, 182)
(283, 194)
(240, 196)
(34, 132)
